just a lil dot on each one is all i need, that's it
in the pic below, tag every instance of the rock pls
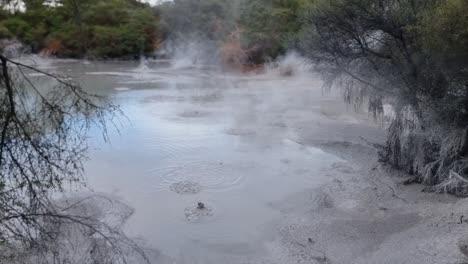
(463, 246)
(412, 180)
(201, 206)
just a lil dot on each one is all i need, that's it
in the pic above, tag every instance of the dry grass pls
(431, 155)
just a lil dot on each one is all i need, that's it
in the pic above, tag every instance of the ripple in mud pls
(240, 132)
(195, 214)
(208, 175)
(193, 114)
(121, 89)
(343, 167)
(278, 124)
(163, 98)
(186, 187)
(207, 98)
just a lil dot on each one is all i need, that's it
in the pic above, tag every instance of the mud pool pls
(272, 158)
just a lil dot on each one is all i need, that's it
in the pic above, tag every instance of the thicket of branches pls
(412, 55)
(43, 132)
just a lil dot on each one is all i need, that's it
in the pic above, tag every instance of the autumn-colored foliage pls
(232, 51)
(52, 48)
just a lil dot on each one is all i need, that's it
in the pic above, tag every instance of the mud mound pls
(195, 213)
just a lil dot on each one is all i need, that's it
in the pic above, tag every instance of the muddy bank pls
(365, 214)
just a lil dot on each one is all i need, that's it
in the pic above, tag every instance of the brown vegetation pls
(53, 47)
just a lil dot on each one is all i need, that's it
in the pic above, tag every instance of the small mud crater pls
(186, 187)
(198, 213)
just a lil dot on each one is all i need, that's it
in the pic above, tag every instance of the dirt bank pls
(365, 214)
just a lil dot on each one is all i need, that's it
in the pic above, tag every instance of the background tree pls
(267, 26)
(72, 28)
(210, 19)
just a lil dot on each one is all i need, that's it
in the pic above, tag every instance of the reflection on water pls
(199, 135)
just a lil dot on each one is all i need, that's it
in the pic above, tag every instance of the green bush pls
(35, 37)
(112, 13)
(111, 42)
(4, 32)
(444, 33)
(69, 36)
(268, 25)
(17, 26)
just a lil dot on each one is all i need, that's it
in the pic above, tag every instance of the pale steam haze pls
(154, 2)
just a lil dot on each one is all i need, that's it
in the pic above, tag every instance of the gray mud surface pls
(281, 166)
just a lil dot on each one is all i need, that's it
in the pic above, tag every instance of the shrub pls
(17, 26)
(114, 42)
(5, 33)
